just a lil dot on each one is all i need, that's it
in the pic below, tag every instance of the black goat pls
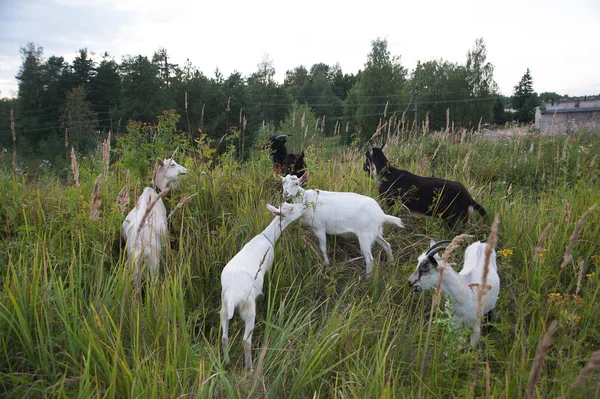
(284, 163)
(430, 196)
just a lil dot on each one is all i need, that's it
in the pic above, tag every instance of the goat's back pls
(341, 212)
(242, 274)
(147, 244)
(473, 271)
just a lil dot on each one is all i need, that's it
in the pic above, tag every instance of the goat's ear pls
(278, 176)
(433, 260)
(304, 177)
(383, 145)
(273, 210)
(431, 243)
(160, 162)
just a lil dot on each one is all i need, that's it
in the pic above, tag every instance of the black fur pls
(430, 196)
(284, 163)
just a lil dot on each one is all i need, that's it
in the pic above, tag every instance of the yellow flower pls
(541, 255)
(592, 274)
(596, 257)
(576, 319)
(506, 252)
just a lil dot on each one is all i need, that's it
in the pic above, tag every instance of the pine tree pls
(525, 99)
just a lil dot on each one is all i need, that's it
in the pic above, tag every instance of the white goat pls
(242, 278)
(462, 288)
(343, 214)
(145, 227)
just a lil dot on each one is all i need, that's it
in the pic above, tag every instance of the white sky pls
(558, 40)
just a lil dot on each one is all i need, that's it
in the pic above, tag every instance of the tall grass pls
(70, 325)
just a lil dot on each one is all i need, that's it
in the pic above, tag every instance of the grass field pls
(70, 325)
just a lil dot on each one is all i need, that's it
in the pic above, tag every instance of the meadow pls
(70, 325)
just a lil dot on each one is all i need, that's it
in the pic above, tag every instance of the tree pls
(525, 99)
(480, 82)
(31, 86)
(77, 116)
(499, 117)
(140, 99)
(84, 68)
(382, 81)
(105, 90)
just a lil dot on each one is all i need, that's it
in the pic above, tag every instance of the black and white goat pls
(284, 163)
(425, 195)
(463, 287)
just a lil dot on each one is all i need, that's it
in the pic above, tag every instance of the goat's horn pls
(435, 251)
(435, 246)
(174, 152)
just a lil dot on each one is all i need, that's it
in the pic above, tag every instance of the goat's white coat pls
(144, 244)
(343, 214)
(242, 278)
(462, 287)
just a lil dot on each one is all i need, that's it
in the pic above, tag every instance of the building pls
(568, 115)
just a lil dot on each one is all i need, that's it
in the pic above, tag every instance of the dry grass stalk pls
(447, 121)
(567, 212)
(540, 353)
(261, 361)
(447, 252)
(180, 204)
(96, 203)
(580, 276)
(150, 206)
(588, 370)
(136, 192)
(74, 167)
(568, 255)
(106, 156)
(479, 125)
(466, 161)
(2, 153)
(436, 150)
(491, 244)
(385, 109)
(540, 245)
(303, 120)
(123, 196)
(593, 163)
(564, 153)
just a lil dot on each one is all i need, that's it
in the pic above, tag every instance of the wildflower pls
(541, 255)
(592, 274)
(576, 319)
(506, 252)
(596, 257)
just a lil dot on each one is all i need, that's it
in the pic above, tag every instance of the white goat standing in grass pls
(462, 288)
(343, 214)
(242, 278)
(145, 227)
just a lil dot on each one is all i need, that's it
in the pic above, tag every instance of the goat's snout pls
(416, 287)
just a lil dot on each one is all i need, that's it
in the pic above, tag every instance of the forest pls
(80, 101)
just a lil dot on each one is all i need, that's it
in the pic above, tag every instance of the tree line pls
(90, 96)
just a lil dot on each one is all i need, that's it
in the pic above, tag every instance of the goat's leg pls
(225, 339)
(249, 319)
(476, 334)
(322, 237)
(365, 247)
(387, 248)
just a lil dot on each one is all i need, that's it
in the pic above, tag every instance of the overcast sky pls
(558, 40)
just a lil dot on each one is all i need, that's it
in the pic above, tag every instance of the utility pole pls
(417, 98)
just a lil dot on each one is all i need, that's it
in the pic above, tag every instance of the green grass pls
(70, 325)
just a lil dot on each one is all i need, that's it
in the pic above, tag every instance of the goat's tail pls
(479, 209)
(228, 307)
(393, 219)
